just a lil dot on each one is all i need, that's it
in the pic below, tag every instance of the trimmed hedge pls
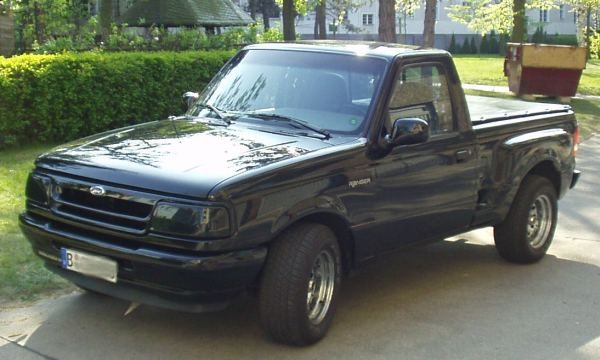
(56, 98)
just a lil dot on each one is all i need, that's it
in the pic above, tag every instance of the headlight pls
(190, 220)
(38, 189)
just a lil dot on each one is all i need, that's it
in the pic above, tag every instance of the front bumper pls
(164, 278)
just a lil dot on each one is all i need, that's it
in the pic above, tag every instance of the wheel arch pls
(334, 221)
(547, 169)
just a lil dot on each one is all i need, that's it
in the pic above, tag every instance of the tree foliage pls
(406, 8)
(483, 16)
(586, 10)
(337, 10)
(40, 20)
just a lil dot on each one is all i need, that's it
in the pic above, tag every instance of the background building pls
(365, 23)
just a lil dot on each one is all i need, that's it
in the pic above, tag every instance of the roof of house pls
(175, 13)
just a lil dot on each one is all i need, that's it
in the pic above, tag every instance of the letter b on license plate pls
(90, 265)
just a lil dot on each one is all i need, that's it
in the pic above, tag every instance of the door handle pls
(463, 155)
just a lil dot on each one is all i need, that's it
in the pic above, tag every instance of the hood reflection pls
(185, 146)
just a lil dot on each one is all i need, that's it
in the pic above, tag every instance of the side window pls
(422, 92)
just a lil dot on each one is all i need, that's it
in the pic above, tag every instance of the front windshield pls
(327, 91)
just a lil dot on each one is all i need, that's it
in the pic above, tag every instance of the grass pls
(484, 70)
(22, 274)
(488, 70)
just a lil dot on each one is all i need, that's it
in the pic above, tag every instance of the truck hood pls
(177, 156)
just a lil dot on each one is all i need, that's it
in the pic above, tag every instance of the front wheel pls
(299, 285)
(526, 233)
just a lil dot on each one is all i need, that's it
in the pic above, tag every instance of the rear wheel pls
(526, 233)
(299, 285)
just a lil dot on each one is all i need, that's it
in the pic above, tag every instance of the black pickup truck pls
(295, 165)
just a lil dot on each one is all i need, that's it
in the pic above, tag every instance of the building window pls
(367, 19)
(543, 15)
(561, 12)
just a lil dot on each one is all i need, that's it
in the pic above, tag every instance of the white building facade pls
(560, 20)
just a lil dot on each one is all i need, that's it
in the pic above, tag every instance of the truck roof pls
(361, 48)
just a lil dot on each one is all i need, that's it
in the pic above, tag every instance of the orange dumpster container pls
(540, 69)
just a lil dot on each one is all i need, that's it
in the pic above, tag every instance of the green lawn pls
(22, 274)
(488, 70)
(588, 116)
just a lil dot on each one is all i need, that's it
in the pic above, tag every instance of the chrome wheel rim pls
(539, 221)
(321, 284)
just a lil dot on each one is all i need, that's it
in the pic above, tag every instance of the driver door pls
(425, 191)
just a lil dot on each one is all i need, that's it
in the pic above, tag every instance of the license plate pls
(87, 264)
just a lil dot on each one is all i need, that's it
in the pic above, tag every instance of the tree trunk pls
(588, 32)
(289, 31)
(106, 12)
(518, 32)
(266, 15)
(252, 5)
(39, 23)
(316, 26)
(429, 23)
(322, 11)
(387, 21)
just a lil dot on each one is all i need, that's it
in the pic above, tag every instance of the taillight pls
(576, 138)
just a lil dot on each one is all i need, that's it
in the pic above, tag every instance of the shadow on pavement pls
(453, 299)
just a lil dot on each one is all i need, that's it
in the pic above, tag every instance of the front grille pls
(104, 203)
(121, 216)
(116, 209)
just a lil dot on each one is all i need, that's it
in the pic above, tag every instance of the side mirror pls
(190, 97)
(407, 131)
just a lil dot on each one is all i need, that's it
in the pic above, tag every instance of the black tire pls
(527, 232)
(288, 311)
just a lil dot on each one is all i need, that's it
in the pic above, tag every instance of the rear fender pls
(518, 156)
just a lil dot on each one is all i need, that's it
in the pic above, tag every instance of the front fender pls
(322, 205)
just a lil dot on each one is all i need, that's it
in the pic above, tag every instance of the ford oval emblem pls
(97, 191)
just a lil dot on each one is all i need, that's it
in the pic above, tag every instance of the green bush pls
(494, 45)
(453, 49)
(541, 37)
(473, 46)
(595, 45)
(484, 47)
(466, 47)
(55, 98)
(271, 35)
(155, 38)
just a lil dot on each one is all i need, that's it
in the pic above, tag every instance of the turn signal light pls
(576, 139)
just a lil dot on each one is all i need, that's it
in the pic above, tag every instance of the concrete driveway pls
(452, 300)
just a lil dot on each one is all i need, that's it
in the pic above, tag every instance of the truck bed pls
(487, 109)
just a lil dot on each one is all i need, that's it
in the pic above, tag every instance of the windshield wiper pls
(219, 113)
(298, 123)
